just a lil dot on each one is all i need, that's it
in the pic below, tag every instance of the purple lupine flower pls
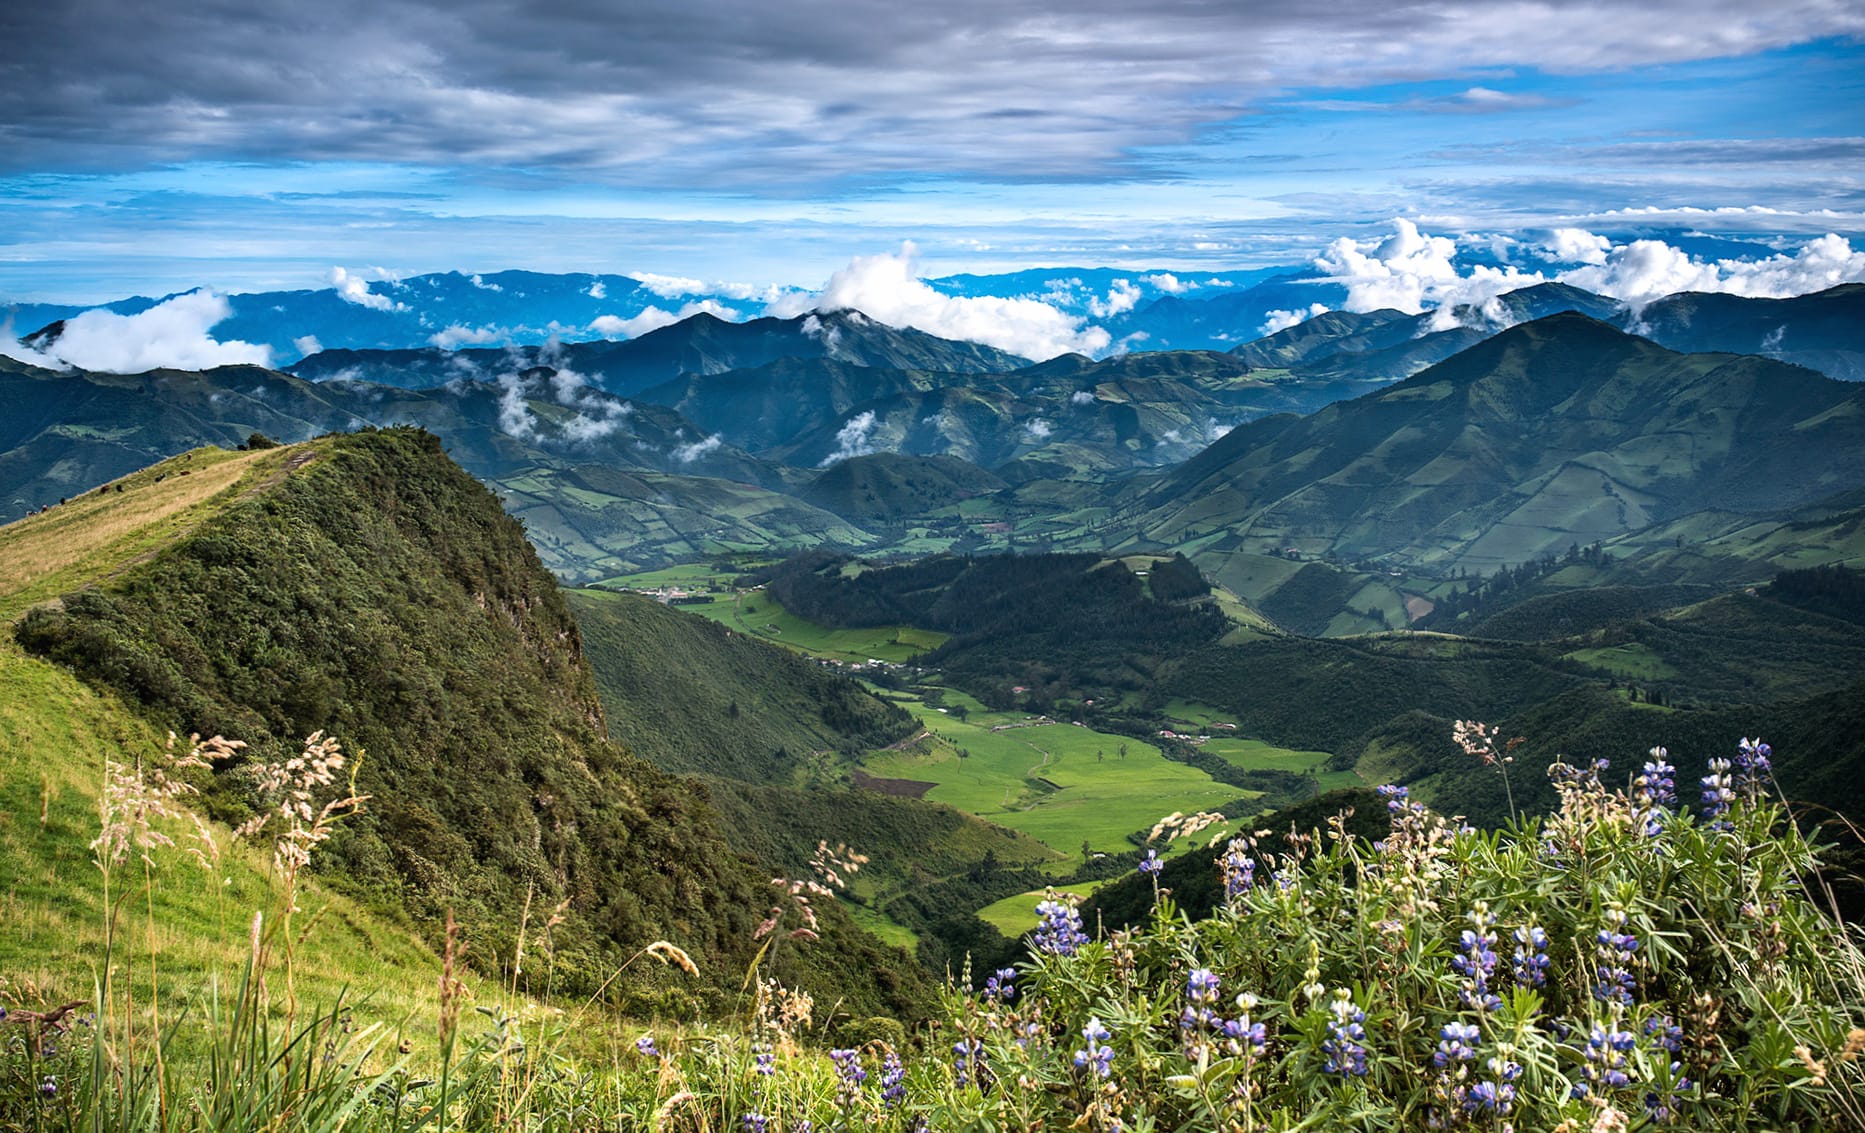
(1531, 956)
(1098, 1058)
(893, 1080)
(967, 1060)
(1151, 863)
(1058, 933)
(1395, 796)
(1497, 1094)
(849, 1076)
(1614, 981)
(1605, 1069)
(49, 1087)
(756, 1122)
(1718, 794)
(1201, 986)
(1457, 1042)
(1238, 869)
(765, 1063)
(1476, 961)
(1753, 764)
(1001, 986)
(1345, 1045)
(645, 1044)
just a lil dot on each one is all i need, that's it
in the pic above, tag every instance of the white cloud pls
(1038, 429)
(1645, 270)
(596, 415)
(687, 454)
(307, 345)
(483, 285)
(675, 286)
(353, 288)
(1081, 397)
(853, 439)
(1410, 271)
(887, 287)
(1283, 320)
(172, 334)
(456, 336)
(654, 318)
(1169, 283)
(1577, 246)
(597, 290)
(1122, 297)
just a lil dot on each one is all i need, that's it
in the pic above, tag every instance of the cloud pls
(476, 281)
(1038, 429)
(456, 336)
(1081, 397)
(307, 345)
(1411, 271)
(1122, 297)
(654, 318)
(676, 286)
(687, 454)
(1169, 283)
(855, 438)
(1644, 270)
(596, 414)
(1283, 320)
(1577, 246)
(352, 288)
(597, 290)
(888, 288)
(173, 334)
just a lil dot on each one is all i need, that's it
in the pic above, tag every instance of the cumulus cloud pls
(597, 290)
(676, 286)
(855, 438)
(1081, 397)
(1644, 270)
(353, 288)
(888, 287)
(687, 454)
(1283, 320)
(1122, 297)
(307, 345)
(1038, 429)
(595, 414)
(456, 336)
(1411, 271)
(654, 318)
(476, 281)
(1576, 246)
(173, 334)
(1170, 284)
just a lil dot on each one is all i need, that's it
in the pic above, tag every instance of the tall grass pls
(1627, 962)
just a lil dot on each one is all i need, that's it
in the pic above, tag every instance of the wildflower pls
(1345, 1045)
(49, 1087)
(1753, 764)
(1497, 1094)
(1718, 794)
(1605, 1054)
(1098, 1057)
(645, 1044)
(1238, 869)
(1457, 1042)
(756, 1122)
(1058, 933)
(1477, 962)
(893, 1080)
(764, 1063)
(1001, 987)
(1395, 796)
(1531, 956)
(849, 1076)
(1150, 864)
(967, 1060)
(1201, 986)
(1615, 982)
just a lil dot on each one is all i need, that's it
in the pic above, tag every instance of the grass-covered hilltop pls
(461, 849)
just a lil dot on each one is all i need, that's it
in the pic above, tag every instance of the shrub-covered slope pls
(379, 593)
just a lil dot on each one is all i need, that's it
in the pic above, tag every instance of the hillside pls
(1558, 431)
(370, 588)
(692, 696)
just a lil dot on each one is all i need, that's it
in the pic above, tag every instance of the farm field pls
(1633, 660)
(1061, 784)
(756, 612)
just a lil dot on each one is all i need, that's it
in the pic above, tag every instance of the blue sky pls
(148, 150)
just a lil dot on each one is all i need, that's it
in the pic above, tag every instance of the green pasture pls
(1634, 660)
(756, 612)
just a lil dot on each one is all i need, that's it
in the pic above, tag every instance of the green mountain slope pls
(372, 589)
(886, 487)
(1557, 431)
(692, 696)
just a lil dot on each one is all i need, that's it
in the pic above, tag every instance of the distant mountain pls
(1175, 322)
(886, 487)
(1824, 331)
(701, 344)
(1560, 430)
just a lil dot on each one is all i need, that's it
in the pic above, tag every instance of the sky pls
(248, 145)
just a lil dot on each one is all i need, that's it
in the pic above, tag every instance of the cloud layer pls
(887, 287)
(172, 334)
